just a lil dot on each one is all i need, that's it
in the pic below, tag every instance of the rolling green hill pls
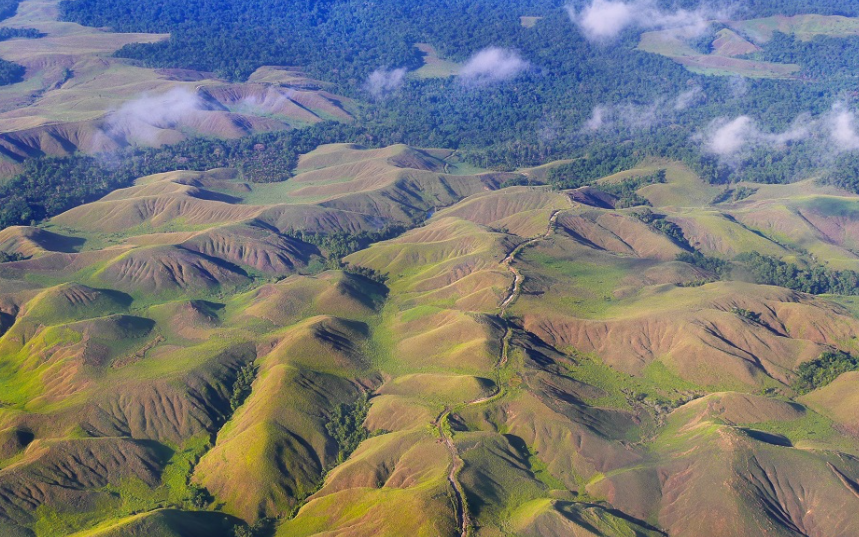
(177, 356)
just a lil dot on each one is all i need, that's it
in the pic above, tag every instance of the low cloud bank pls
(604, 20)
(141, 120)
(837, 130)
(383, 83)
(492, 65)
(641, 116)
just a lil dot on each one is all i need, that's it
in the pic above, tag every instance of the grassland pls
(173, 357)
(434, 67)
(733, 49)
(76, 96)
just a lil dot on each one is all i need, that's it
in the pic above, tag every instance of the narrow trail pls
(518, 279)
(462, 515)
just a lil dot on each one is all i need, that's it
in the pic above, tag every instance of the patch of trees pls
(734, 194)
(6, 257)
(749, 315)
(346, 426)
(658, 222)
(823, 370)
(626, 191)
(815, 280)
(769, 270)
(242, 386)
(10, 72)
(50, 185)
(718, 267)
(844, 173)
(7, 33)
(339, 245)
(819, 57)
(367, 272)
(8, 8)
(263, 527)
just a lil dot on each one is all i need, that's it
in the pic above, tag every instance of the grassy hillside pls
(191, 354)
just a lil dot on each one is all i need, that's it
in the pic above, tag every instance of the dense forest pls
(814, 279)
(12, 33)
(823, 370)
(544, 114)
(51, 185)
(10, 72)
(8, 8)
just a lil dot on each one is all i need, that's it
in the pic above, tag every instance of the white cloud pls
(142, 119)
(641, 116)
(603, 20)
(688, 98)
(738, 86)
(491, 65)
(382, 82)
(833, 132)
(731, 136)
(272, 101)
(727, 138)
(842, 128)
(597, 119)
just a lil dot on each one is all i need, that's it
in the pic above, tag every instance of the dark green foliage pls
(8, 8)
(625, 191)
(50, 185)
(346, 426)
(719, 267)
(633, 199)
(734, 194)
(659, 223)
(822, 57)
(747, 314)
(844, 173)
(369, 273)
(518, 180)
(242, 386)
(199, 497)
(6, 257)
(10, 72)
(11, 33)
(263, 527)
(339, 245)
(573, 175)
(340, 39)
(823, 370)
(704, 42)
(815, 280)
(585, 171)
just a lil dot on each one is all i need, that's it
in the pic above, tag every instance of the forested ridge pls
(537, 117)
(541, 115)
